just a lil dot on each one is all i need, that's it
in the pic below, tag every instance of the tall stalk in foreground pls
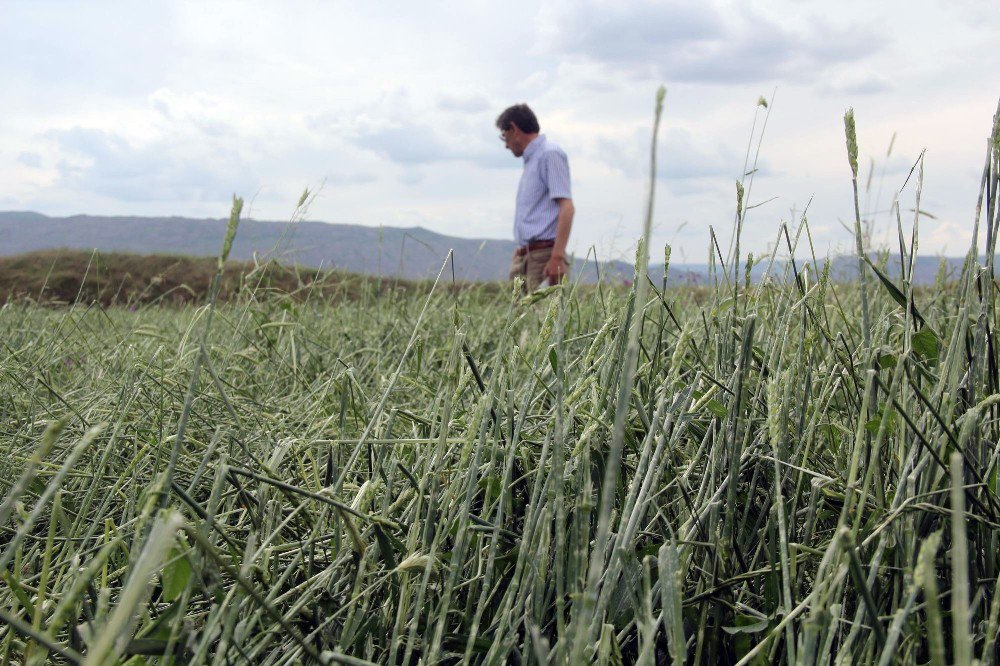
(584, 623)
(227, 245)
(852, 158)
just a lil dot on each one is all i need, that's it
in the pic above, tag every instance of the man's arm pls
(556, 266)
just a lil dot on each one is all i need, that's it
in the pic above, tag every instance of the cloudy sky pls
(387, 109)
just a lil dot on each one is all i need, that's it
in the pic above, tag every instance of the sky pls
(386, 110)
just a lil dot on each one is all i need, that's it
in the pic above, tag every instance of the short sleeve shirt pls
(545, 178)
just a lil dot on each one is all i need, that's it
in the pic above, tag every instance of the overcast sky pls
(169, 108)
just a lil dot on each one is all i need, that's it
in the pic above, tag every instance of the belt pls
(534, 245)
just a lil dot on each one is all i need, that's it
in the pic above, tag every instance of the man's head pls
(518, 127)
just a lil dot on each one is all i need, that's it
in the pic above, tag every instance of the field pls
(785, 472)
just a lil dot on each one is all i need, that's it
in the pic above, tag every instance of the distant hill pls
(75, 276)
(411, 253)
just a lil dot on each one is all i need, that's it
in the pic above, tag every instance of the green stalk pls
(927, 578)
(852, 158)
(597, 557)
(959, 566)
(192, 388)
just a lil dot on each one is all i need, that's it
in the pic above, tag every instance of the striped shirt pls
(545, 178)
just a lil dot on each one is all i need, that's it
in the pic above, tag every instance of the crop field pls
(793, 471)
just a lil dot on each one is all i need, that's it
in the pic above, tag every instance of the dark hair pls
(519, 115)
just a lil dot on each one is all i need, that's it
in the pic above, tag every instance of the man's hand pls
(555, 268)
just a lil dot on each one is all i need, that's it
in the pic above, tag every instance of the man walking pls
(543, 213)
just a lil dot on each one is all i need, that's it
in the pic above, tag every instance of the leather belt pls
(534, 245)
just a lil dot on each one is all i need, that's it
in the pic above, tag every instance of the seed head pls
(234, 220)
(762, 102)
(925, 558)
(517, 287)
(679, 350)
(639, 258)
(550, 320)
(415, 562)
(774, 394)
(852, 141)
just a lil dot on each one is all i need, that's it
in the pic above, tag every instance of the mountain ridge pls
(407, 252)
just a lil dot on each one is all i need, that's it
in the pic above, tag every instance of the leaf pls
(538, 295)
(19, 592)
(926, 343)
(747, 624)
(491, 487)
(385, 547)
(875, 423)
(176, 573)
(894, 291)
(163, 626)
(833, 430)
(886, 361)
(724, 304)
(716, 407)
(620, 606)
(608, 651)
(553, 360)
(460, 642)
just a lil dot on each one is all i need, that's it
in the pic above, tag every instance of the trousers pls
(530, 266)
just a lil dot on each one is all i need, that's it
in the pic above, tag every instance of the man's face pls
(514, 140)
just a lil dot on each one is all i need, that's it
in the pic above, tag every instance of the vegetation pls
(61, 277)
(783, 472)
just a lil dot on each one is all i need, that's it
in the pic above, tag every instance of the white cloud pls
(79, 51)
(683, 156)
(853, 82)
(412, 133)
(699, 42)
(29, 159)
(407, 145)
(464, 103)
(107, 164)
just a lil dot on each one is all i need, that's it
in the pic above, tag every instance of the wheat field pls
(792, 471)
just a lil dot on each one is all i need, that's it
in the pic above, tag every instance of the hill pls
(410, 253)
(71, 276)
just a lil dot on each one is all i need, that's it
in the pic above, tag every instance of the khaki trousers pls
(529, 267)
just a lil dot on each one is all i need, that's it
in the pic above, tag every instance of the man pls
(543, 214)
